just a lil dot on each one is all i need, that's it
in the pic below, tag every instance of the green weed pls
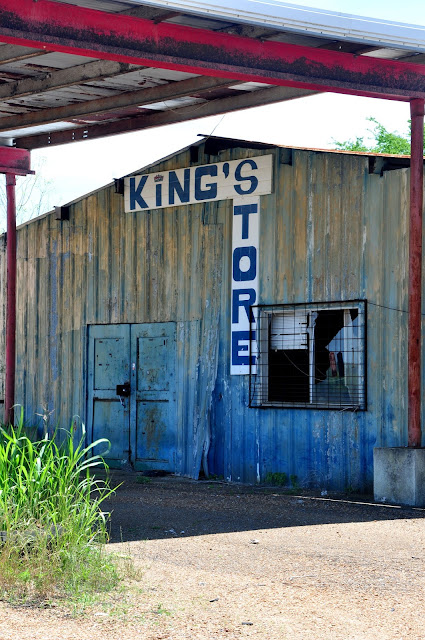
(277, 478)
(160, 610)
(294, 482)
(53, 527)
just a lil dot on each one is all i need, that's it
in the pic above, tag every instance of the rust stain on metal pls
(176, 46)
(154, 429)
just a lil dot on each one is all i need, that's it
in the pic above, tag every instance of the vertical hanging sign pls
(246, 224)
(243, 181)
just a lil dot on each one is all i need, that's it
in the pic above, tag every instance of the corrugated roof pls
(52, 97)
(302, 19)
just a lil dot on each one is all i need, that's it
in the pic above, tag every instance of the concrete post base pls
(399, 475)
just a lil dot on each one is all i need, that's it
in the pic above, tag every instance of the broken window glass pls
(310, 355)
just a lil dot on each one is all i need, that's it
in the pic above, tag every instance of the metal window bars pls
(309, 355)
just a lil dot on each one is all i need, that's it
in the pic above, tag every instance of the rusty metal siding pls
(329, 231)
(107, 267)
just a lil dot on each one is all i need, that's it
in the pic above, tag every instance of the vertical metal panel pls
(107, 267)
(109, 364)
(329, 231)
(154, 403)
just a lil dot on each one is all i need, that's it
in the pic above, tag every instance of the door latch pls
(123, 390)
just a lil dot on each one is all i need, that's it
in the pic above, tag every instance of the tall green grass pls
(52, 524)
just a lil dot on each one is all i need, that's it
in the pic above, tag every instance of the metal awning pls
(85, 69)
(302, 20)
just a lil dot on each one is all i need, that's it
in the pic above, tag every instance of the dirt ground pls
(215, 561)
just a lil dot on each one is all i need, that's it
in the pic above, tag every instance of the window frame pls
(259, 371)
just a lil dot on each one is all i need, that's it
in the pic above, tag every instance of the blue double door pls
(132, 393)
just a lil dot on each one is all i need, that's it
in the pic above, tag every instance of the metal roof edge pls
(107, 185)
(303, 19)
(202, 140)
(297, 148)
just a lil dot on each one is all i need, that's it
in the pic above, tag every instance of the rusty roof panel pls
(200, 23)
(129, 81)
(57, 60)
(387, 54)
(33, 66)
(112, 6)
(168, 74)
(91, 78)
(174, 104)
(250, 86)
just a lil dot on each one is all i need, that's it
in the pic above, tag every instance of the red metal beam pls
(415, 273)
(15, 161)
(72, 29)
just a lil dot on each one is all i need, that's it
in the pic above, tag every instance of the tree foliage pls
(382, 141)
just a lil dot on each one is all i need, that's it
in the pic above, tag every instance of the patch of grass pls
(294, 482)
(54, 529)
(277, 478)
(160, 610)
(143, 480)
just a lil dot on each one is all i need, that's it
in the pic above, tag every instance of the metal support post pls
(9, 395)
(13, 162)
(415, 273)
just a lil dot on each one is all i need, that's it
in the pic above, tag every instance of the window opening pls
(310, 355)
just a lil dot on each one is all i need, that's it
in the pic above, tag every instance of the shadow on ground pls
(154, 508)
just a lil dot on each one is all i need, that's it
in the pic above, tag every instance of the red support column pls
(9, 392)
(13, 162)
(415, 273)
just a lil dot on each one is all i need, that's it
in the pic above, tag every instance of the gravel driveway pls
(215, 561)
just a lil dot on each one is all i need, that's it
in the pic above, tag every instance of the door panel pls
(153, 364)
(154, 355)
(141, 428)
(108, 415)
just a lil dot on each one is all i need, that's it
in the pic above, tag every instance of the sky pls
(76, 169)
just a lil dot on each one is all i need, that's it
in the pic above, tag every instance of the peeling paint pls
(78, 30)
(331, 231)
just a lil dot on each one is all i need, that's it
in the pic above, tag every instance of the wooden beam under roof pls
(169, 91)
(76, 30)
(90, 71)
(161, 118)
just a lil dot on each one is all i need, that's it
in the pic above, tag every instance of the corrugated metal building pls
(241, 309)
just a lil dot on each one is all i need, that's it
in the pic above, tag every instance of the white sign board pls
(206, 183)
(246, 227)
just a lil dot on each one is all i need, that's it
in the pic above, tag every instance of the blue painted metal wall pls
(329, 231)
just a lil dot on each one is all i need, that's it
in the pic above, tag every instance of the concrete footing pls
(399, 475)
